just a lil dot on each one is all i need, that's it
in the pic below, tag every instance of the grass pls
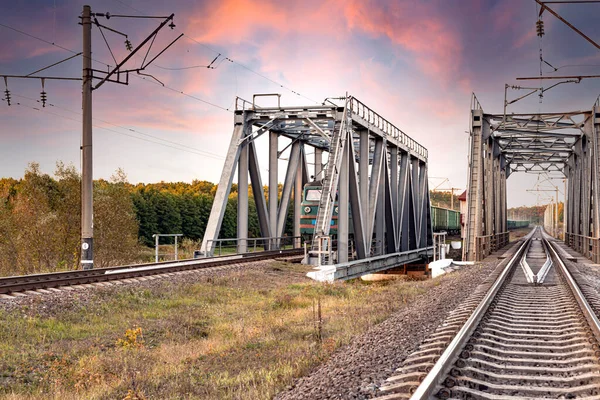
(241, 336)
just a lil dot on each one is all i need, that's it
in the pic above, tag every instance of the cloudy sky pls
(414, 62)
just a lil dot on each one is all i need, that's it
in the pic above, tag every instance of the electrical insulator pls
(6, 92)
(539, 26)
(128, 45)
(171, 25)
(43, 98)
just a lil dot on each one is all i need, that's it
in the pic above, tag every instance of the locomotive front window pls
(313, 195)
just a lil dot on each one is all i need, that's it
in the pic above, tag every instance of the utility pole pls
(87, 180)
(452, 197)
(120, 76)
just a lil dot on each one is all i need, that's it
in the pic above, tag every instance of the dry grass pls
(516, 234)
(242, 336)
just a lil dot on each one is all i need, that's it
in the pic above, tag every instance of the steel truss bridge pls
(501, 144)
(365, 163)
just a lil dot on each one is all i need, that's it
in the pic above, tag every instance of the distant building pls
(463, 213)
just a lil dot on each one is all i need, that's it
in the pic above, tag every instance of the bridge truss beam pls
(375, 172)
(500, 145)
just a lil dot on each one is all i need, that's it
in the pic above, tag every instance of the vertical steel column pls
(359, 212)
(318, 164)
(87, 179)
(585, 189)
(488, 195)
(474, 187)
(394, 192)
(595, 132)
(343, 204)
(242, 209)
(403, 224)
(425, 214)
(380, 210)
(363, 170)
(273, 189)
(374, 188)
(415, 203)
(293, 169)
(298, 198)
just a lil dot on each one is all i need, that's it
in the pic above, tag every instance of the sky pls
(416, 63)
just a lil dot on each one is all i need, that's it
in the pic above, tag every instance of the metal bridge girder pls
(534, 143)
(378, 173)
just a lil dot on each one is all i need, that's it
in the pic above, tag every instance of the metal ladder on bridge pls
(329, 186)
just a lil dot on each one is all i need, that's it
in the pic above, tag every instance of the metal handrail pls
(360, 109)
(278, 242)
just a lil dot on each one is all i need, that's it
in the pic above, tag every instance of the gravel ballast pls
(358, 370)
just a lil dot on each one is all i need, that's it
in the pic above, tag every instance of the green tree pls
(115, 225)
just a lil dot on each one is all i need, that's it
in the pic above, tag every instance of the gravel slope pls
(357, 370)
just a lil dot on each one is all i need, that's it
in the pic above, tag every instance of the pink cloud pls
(429, 37)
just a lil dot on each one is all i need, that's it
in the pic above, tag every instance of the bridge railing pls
(586, 245)
(486, 245)
(358, 108)
(251, 245)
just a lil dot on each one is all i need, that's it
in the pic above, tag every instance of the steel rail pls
(587, 310)
(446, 360)
(541, 275)
(529, 275)
(22, 283)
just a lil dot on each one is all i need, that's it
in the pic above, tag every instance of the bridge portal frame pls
(501, 144)
(377, 171)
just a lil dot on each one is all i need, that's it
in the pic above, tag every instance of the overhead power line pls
(109, 65)
(223, 59)
(168, 143)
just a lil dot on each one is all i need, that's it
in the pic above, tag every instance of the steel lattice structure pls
(375, 170)
(534, 143)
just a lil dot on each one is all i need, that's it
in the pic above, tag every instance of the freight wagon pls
(512, 224)
(444, 219)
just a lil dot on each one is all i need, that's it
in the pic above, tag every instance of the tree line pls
(40, 221)
(40, 218)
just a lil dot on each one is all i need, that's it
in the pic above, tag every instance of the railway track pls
(23, 283)
(531, 335)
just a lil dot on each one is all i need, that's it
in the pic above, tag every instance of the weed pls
(133, 339)
(236, 337)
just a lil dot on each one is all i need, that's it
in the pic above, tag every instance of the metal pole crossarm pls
(126, 82)
(571, 1)
(579, 77)
(116, 69)
(551, 11)
(109, 16)
(59, 78)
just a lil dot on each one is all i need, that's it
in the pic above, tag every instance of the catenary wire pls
(225, 59)
(103, 63)
(184, 147)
